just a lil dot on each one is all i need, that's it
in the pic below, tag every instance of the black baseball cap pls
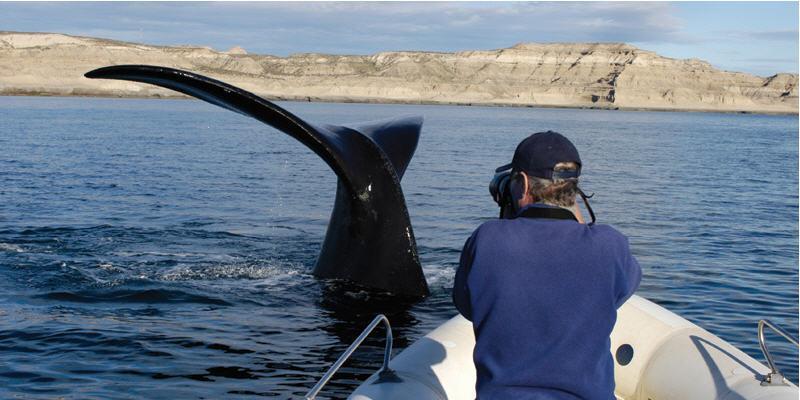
(539, 153)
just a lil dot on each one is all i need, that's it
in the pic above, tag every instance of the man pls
(541, 288)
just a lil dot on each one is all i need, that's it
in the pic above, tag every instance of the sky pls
(754, 37)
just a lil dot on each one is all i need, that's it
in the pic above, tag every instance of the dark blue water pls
(155, 248)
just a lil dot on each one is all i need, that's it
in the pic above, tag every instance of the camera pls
(500, 188)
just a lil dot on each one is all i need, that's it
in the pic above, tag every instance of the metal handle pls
(774, 377)
(383, 373)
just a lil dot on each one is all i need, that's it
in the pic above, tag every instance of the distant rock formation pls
(236, 50)
(596, 75)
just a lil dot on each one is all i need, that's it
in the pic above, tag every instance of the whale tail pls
(369, 240)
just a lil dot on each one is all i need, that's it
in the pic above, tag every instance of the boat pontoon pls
(658, 355)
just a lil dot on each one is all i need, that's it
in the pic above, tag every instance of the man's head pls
(545, 169)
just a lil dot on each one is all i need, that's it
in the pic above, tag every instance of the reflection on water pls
(164, 248)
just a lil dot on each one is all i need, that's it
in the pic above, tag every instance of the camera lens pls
(498, 187)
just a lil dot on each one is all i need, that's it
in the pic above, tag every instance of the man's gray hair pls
(559, 193)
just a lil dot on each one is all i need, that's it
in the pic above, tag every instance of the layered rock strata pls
(596, 75)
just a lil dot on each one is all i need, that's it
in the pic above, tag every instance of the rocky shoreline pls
(566, 75)
(178, 96)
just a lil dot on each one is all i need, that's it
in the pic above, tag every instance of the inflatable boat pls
(657, 355)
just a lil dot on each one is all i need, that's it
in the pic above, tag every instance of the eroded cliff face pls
(602, 75)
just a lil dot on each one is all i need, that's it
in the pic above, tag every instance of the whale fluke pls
(369, 240)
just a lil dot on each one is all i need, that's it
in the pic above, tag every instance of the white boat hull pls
(671, 359)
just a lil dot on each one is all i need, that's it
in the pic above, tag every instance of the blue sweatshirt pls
(542, 294)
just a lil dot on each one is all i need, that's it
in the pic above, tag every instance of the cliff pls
(599, 75)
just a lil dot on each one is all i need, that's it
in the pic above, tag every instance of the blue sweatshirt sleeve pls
(461, 297)
(630, 275)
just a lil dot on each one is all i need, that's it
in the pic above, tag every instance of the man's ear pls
(525, 184)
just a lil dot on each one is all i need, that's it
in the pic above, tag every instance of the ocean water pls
(163, 248)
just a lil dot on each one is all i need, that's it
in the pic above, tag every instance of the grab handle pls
(774, 377)
(385, 373)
